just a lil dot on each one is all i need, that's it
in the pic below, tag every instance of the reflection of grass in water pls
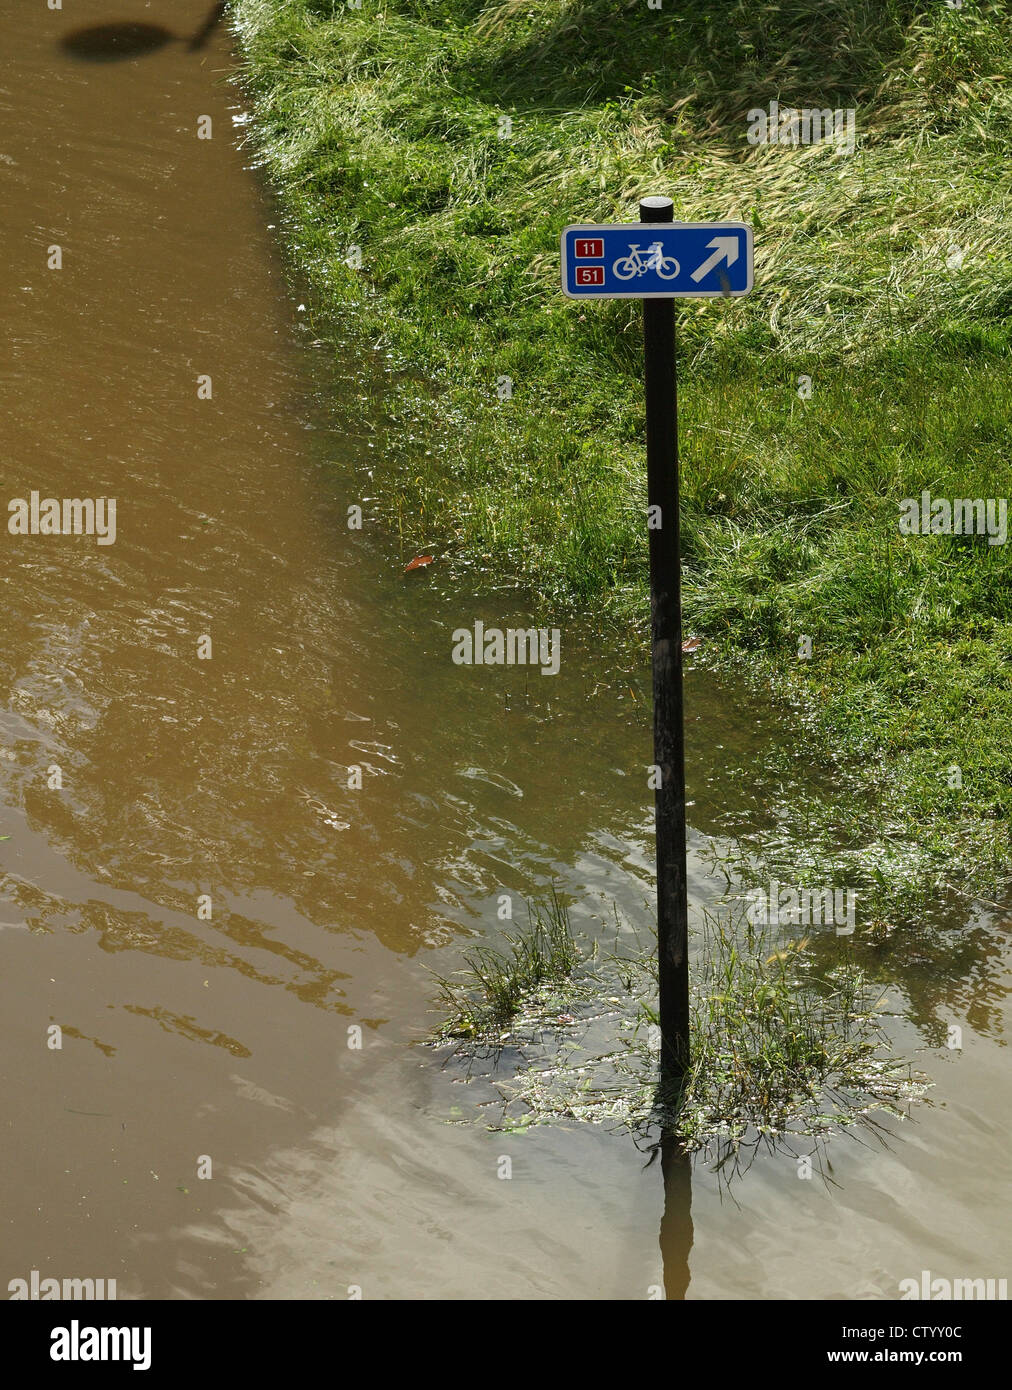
(780, 1049)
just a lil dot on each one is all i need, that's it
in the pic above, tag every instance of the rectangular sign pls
(657, 260)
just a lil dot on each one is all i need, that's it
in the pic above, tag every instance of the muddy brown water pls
(185, 1037)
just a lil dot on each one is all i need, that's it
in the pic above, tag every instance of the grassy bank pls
(883, 276)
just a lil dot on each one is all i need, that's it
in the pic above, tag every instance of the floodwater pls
(188, 1038)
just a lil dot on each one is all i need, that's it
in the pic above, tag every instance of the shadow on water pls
(108, 43)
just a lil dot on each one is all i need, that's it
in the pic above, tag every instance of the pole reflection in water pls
(676, 1223)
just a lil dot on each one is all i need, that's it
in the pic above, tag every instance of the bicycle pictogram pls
(639, 262)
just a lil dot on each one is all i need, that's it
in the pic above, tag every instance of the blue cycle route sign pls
(657, 260)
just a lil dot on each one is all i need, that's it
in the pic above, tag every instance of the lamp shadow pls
(110, 43)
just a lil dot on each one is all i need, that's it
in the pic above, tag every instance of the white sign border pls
(716, 227)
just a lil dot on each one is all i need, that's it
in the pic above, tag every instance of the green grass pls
(780, 1047)
(380, 128)
(785, 1043)
(533, 979)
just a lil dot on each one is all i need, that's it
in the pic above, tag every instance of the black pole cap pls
(657, 209)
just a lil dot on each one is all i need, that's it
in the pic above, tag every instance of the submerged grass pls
(883, 279)
(495, 988)
(783, 1046)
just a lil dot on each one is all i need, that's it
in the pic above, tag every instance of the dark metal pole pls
(666, 636)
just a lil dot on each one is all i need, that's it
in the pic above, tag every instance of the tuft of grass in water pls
(496, 987)
(782, 1047)
(778, 1048)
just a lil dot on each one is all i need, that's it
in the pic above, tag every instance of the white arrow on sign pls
(727, 249)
